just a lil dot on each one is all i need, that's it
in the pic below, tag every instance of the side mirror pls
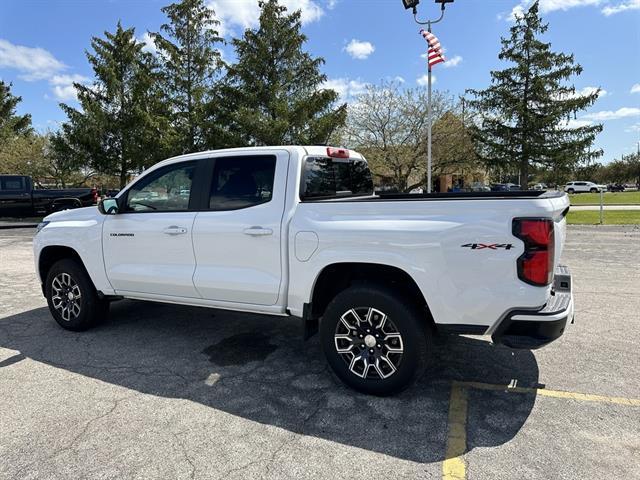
(108, 206)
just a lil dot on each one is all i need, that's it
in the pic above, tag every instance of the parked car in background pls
(615, 187)
(111, 193)
(479, 187)
(505, 187)
(540, 186)
(582, 187)
(18, 198)
(297, 231)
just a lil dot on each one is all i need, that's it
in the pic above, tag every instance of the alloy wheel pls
(369, 342)
(66, 296)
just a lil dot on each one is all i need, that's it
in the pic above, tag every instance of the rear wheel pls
(571, 190)
(73, 301)
(375, 340)
(594, 190)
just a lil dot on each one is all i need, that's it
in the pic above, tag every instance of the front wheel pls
(72, 298)
(571, 191)
(594, 190)
(375, 340)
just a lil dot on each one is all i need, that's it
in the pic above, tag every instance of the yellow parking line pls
(584, 397)
(454, 466)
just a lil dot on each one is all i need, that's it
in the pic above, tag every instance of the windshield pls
(325, 177)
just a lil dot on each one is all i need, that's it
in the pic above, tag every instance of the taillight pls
(94, 195)
(535, 265)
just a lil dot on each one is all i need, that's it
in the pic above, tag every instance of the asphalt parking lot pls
(165, 391)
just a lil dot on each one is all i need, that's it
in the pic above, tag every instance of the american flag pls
(435, 55)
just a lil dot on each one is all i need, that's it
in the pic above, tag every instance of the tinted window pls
(12, 184)
(328, 177)
(581, 184)
(167, 190)
(242, 182)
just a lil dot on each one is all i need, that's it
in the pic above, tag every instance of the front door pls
(15, 196)
(237, 239)
(147, 245)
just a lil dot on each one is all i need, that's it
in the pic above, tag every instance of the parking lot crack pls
(76, 439)
(185, 454)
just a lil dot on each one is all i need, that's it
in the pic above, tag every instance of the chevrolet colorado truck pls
(297, 231)
(19, 198)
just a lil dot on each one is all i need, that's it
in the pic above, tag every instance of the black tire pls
(594, 190)
(571, 191)
(65, 280)
(402, 316)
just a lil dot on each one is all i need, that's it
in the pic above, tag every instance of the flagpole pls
(428, 23)
(429, 121)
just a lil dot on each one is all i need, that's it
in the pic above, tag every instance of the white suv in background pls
(580, 187)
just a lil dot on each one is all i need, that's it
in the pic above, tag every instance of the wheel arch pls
(337, 277)
(53, 253)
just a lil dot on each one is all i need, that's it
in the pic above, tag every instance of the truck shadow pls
(258, 368)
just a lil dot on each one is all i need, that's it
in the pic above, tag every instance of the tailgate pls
(560, 210)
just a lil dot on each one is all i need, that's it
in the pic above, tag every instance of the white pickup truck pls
(298, 231)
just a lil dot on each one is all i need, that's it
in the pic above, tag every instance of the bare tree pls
(388, 125)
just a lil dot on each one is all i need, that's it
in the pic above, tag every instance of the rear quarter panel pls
(425, 239)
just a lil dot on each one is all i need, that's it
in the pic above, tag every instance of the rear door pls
(147, 246)
(237, 239)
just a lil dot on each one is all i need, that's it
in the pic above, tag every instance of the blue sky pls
(43, 42)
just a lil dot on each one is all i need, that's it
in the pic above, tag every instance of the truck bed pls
(388, 197)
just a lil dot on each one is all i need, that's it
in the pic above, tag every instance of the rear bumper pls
(535, 329)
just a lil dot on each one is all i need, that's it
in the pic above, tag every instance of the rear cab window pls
(326, 177)
(11, 184)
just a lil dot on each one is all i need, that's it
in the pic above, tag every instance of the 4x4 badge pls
(490, 246)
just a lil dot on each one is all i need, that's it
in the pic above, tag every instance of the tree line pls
(142, 107)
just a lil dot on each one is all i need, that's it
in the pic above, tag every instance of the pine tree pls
(122, 125)
(10, 123)
(273, 94)
(190, 63)
(524, 113)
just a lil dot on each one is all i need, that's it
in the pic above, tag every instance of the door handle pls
(258, 231)
(174, 230)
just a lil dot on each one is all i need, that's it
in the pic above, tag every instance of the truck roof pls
(303, 150)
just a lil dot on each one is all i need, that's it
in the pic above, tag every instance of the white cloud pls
(452, 62)
(65, 93)
(571, 124)
(635, 128)
(359, 50)
(399, 79)
(347, 89)
(635, 88)
(33, 63)
(331, 4)
(621, 7)
(590, 91)
(62, 86)
(149, 44)
(423, 81)
(246, 13)
(586, 91)
(605, 115)
(552, 5)
(547, 6)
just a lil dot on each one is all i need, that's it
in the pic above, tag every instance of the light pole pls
(413, 5)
